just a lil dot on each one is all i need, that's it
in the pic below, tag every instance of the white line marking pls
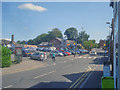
(46, 81)
(84, 57)
(68, 80)
(88, 76)
(89, 57)
(94, 57)
(65, 61)
(8, 86)
(79, 57)
(44, 74)
(89, 68)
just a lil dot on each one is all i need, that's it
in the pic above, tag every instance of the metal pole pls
(109, 44)
(82, 37)
(118, 83)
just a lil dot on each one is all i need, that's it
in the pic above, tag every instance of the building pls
(101, 43)
(116, 42)
(58, 42)
(45, 44)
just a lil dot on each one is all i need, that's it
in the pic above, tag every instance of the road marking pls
(89, 57)
(94, 57)
(79, 57)
(44, 74)
(8, 86)
(46, 81)
(89, 68)
(77, 80)
(81, 80)
(89, 75)
(84, 57)
(84, 75)
(68, 80)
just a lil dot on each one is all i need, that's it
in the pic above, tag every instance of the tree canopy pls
(71, 33)
(83, 36)
(90, 44)
(45, 37)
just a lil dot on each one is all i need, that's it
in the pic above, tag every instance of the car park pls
(37, 55)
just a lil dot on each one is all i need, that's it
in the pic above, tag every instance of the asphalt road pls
(68, 72)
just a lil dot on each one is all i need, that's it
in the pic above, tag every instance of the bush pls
(6, 57)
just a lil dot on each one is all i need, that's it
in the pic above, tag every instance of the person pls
(53, 57)
(45, 56)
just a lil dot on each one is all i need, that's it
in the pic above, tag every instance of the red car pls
(67, 53)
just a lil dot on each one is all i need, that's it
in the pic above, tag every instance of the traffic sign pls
(104, 44)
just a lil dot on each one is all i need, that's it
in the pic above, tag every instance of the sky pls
(27, 20)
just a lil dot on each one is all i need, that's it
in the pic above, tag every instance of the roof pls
(70, 41)
(58, 39)
(43, 43)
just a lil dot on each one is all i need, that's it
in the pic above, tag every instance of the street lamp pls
(109, 38)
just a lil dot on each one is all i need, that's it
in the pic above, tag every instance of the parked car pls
(65, 54)
(93, 53)
(58, 53)
(26, 53)
(37, 55)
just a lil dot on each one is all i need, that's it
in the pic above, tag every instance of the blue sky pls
(28, 20)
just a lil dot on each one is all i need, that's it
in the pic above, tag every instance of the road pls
(68, 72)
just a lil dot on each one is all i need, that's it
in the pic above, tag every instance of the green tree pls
(71, 33)
(30, 42)
(18, 41)
(83, 36)
(90, 44)
(54, 33)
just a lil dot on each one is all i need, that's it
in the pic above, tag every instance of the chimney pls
(12, 39)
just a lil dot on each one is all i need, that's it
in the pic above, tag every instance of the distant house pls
(45, 44)
(25, 46)
(101, 43)
(59, 42)
(56, 42)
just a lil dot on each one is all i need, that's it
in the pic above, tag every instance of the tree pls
(54, 33)
(30, 42)
(90, 44)
(18, 41)
(71, 33)
(45, 37)
(83, 36)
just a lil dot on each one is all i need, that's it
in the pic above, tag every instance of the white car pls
(37, 55)
(93, 53)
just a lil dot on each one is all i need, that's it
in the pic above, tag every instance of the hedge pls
(6, 57)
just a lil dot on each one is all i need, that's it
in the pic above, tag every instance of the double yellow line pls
(79, 80)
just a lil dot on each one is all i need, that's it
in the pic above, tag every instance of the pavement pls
(23, 66)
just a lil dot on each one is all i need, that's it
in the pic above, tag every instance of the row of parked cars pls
(38, 53)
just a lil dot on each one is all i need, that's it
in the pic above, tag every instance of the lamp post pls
(109, 39)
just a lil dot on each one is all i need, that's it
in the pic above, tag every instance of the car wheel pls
(39, 58)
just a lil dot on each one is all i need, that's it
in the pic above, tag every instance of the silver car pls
(38, 56)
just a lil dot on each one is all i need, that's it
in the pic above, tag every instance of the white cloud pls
(33, 7)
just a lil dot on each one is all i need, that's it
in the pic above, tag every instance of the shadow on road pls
(100, 60)
(94, 81)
